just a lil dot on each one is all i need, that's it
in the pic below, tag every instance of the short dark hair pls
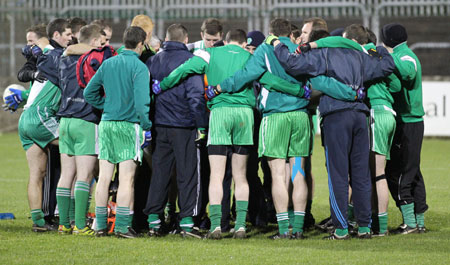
(212, 26)
(40, 30)
(133, 36)
(318, 34)
(176, 32)
(280, 27)
(357, 32)
(102, 24)
(237, 35)
(57, 25)
(372, 38)
(296, 33)
(317, 23)
(89, 32)
(76, 23)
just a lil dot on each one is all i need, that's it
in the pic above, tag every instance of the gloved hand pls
(7, 108)
(13, 100)
(38, 76)
(36, 51)
(303, 48)
(201, 137)
(270, 39)
(147, 138)
(360, 94)
(156, 88)
(211, 92)
(26, 51)
(307, 92)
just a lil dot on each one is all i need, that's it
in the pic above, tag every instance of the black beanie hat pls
(393, 34)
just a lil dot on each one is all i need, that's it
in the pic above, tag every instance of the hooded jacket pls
(184, 105)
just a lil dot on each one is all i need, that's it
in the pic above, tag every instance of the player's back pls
(224, 62)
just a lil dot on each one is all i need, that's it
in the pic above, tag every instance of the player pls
(180, 121)
(403, 173)
(38, 124)
(230, 125)
(125, 80)
(78, 144)
(349, 118)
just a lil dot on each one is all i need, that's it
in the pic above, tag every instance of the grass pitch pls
(18, 245)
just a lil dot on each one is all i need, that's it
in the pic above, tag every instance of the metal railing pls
(370, 12)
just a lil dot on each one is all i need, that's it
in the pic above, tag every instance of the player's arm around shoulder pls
(195, 65)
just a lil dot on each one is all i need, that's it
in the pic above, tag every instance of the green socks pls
(215, 214)
(283, 223)
(153, 221)
(38, 217)
(72, 209)
(420, 218)
(382, 222)
(299, 218)
(101, 215)
(130, 218)
(122, 216)
(341, 232)
(187, 223)
(363, 230)
(408, 215)
(63, 200)
(81, 203)
(291, 217)
(241, 214)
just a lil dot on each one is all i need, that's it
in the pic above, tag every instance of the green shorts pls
(284, 135)
(382, 129)
(78, 137)
(231, 126)
(120, 141)
(36, 126)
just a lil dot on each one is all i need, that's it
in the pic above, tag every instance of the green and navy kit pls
(281, 92)
(125, 80)
(217, 63)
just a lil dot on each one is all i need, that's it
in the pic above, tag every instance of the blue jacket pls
(73, 104)
(350, 67)
(183, 105)
(48, 62)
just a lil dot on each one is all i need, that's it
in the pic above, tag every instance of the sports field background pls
(18, 245)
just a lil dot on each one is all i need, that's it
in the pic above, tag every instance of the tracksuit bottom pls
(346, 142)
(175, 147)
(51, 182)
(403, 174)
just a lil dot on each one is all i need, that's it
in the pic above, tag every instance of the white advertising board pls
(436, 103)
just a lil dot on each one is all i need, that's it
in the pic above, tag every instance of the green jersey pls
(217, 63)
(280, 92)
(125, 80)
(408, 102)
(44, 96)
(378, 92)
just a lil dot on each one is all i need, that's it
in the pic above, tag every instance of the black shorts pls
(224, 149)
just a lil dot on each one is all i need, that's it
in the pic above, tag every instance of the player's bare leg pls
(280, 193)
(215, 191)
(241, 192)
(102, 194)
(299, 194)
(64, 191)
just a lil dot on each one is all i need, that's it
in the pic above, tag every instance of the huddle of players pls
(339, 68)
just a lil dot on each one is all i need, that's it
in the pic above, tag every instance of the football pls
(8, 92)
